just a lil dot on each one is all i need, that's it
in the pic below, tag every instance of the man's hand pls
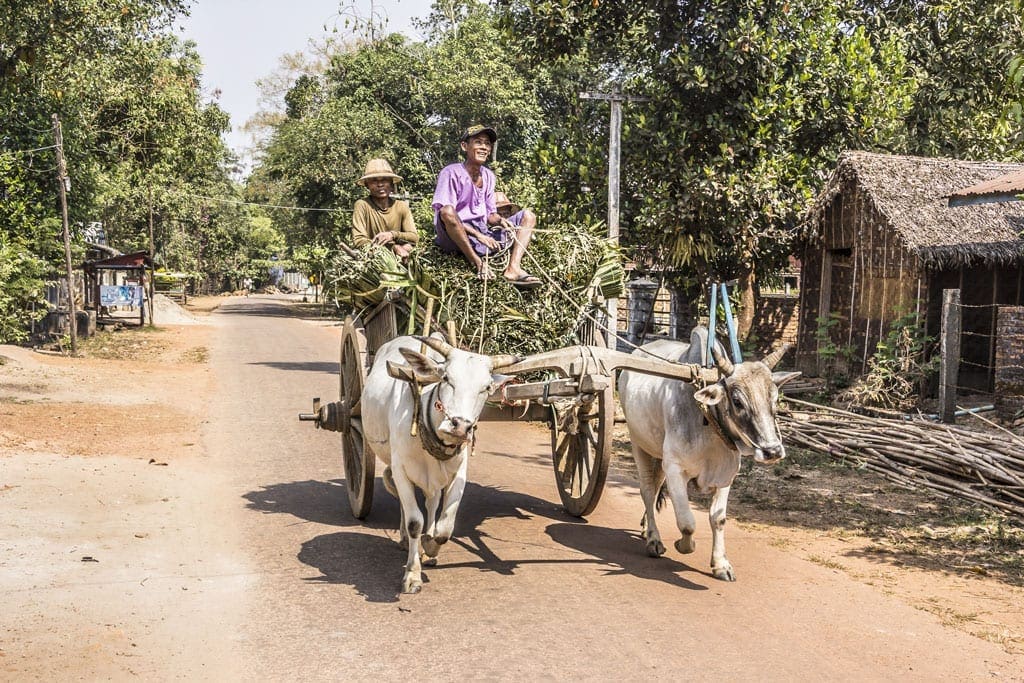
(506, 225)
(487, 241)
(384, 237)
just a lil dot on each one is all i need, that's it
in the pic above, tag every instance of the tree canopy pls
(745, 108)
(137, 130)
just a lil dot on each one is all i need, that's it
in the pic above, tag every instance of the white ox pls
(454, 385)
(680, 433)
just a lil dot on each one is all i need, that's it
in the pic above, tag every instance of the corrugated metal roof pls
(1005, 188)
(133, 261)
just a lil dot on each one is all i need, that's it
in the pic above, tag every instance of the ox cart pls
(577, 401)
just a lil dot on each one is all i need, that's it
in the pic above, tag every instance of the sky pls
(240, 42)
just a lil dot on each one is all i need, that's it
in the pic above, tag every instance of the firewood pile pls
(984, 467)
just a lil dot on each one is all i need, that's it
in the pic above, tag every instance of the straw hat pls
(378, 168)
(501, 200)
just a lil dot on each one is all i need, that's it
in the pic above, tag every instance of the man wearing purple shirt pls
(466, 219)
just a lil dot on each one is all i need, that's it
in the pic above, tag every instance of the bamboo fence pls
(984, 467)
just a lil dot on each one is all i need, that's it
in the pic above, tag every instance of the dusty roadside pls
(105, 570)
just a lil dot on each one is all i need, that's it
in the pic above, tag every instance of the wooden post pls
(615, 98)
(63, 181)
(949, 354)
(614, 154)
(152, 262)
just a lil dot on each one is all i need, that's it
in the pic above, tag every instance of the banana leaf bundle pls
(578, 268)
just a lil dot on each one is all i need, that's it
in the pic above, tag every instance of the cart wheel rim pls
(581, 450)
(359, 462)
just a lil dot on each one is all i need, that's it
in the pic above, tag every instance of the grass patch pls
(197, 354)
(135, 343)
(826, 562)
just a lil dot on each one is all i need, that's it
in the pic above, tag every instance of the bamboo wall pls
(860, 272)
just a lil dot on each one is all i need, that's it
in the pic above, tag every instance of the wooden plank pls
(949, 358)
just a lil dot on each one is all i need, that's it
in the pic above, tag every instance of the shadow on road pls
(323, 502)
(313, 366)
(372, 564)
(625, 553)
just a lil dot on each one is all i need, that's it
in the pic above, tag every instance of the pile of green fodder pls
(578, 269)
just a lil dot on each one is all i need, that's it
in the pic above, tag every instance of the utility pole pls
(615, 98)
(64, 184)
(152, 262)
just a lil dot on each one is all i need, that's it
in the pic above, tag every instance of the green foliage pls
(897, 369)
(967, 59)
(496, 317)
(749, 104)
(21, 275)
(137, 133)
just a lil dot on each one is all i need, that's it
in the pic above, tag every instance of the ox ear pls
(427, 371)
(498, 381)
(710, 395)
(781, 378)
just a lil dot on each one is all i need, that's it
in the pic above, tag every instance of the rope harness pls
(432, 443)
(712, 420)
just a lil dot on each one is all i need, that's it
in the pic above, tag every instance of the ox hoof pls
(431, 546)
(723, 573)
(428, 561)
(411, 585)
(685, 545)
(655, 548)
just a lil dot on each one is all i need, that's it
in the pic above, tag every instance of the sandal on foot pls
(525, 281)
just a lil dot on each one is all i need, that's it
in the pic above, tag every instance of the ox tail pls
(662, 496)
(659, 503)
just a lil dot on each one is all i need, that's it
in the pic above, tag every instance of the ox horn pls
(439, 345)
(725, 365)
(772, 359)
(503, 361)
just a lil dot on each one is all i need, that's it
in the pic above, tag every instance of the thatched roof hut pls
(880, 241)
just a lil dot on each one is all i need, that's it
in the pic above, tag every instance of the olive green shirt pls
(368, 220)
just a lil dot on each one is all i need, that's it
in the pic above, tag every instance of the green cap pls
(473, 131)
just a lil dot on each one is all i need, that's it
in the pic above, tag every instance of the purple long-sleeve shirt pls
(472, 204)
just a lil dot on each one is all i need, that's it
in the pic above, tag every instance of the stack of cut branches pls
(985, 467)
(577, 267)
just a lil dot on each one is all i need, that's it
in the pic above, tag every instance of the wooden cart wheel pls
(359, 460)
(581, 446)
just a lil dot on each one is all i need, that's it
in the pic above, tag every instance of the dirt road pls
(171, 519)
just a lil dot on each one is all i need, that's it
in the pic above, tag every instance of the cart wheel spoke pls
(581, 448)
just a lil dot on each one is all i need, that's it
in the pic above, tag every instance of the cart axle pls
(326, 416)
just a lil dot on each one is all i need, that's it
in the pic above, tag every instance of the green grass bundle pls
(579, 269)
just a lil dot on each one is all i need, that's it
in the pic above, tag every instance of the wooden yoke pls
(579, 361)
